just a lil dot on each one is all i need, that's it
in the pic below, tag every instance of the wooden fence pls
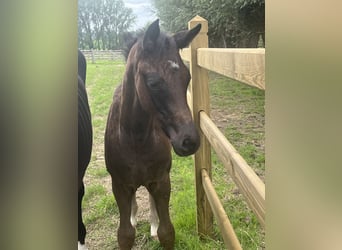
(247, 66)
(94, 55)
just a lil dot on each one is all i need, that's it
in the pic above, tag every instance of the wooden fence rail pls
(95, 55)
(243, 176)
(244, 65)
(228, 233)
(247, 66)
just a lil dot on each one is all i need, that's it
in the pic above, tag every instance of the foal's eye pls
(154, 82)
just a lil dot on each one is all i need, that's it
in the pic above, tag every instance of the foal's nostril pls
(188, 144)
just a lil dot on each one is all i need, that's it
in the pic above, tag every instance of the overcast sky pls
(143, 11)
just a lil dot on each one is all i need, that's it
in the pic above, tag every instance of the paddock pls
(100, 208)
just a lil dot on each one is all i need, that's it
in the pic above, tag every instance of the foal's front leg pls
(126, 232)
(160, 192)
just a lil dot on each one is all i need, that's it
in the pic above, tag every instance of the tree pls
(102, 23)
(85, 38)
(232, 23)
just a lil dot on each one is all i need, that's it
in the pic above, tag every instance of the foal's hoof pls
(81, 247)
(154, 231)
(155, 237)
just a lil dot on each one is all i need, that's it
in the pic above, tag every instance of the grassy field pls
(237, 109)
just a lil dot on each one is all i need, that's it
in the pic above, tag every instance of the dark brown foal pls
(149, 114)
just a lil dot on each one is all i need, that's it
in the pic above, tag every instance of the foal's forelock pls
(171, 77)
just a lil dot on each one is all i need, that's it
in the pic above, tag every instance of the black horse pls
(85, 141)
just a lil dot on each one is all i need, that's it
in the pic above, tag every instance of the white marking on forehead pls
(173, 64)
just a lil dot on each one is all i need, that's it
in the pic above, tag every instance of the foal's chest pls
(140, 163)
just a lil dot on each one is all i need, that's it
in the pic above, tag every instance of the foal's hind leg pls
(154, 220)
(160, 192)
(126, 232)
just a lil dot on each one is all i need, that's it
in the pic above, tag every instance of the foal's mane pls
(130, 39)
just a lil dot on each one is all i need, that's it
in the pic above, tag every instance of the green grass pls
(242, 109)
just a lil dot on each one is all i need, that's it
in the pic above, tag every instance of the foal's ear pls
(151, 35)
(184, 38)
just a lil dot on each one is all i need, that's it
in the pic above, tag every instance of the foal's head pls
(161, 80)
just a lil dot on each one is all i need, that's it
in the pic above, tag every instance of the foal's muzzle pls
(186, 141)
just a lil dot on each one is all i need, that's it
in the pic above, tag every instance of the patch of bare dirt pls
(221, 117)
(142, 198)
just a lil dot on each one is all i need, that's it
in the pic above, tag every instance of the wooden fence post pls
(200, 102)
(92, 56)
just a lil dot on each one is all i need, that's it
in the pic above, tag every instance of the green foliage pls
(245, 3)
(102, 23)
(232, 23)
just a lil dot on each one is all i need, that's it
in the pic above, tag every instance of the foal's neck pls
(133, 118)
